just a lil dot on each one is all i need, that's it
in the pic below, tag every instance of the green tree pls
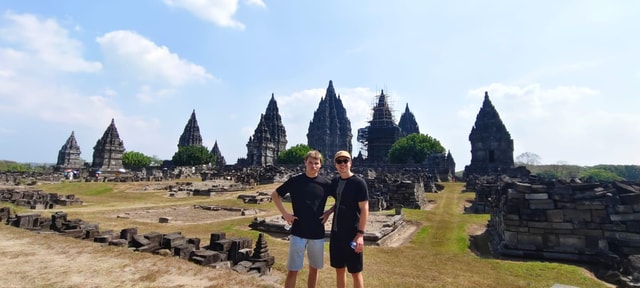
(294, 155)
(597, 174)
(192, 155)
(135, 160)
(414, 148)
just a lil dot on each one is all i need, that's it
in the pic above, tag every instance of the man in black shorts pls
(349, 219)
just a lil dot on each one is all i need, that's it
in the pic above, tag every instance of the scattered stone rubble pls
(260, 197)
(222, 252)
(597, 223)
(37, 199)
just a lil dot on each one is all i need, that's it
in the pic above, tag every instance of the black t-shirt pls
(346, 217)
(308, 199)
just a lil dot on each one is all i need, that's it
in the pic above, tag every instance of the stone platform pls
(381, 226)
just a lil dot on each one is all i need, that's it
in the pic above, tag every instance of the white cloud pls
(41, 43)
(142, 58)
(147, 94)
(219, 12)
(258, 3)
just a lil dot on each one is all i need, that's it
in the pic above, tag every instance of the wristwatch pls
(360, 231)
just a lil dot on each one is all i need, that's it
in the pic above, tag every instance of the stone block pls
(625, 217)
(541, 204)
(222, 245)
(183, 251)
(128, 233)
(575, 241)
(536, 196)
(530, 241)
(154, 237)
(555, 215)
(172, 240)
(600, 216)
(217, 236)
(574, 215)
(550, 225)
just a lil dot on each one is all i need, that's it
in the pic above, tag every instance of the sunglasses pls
(342, 161)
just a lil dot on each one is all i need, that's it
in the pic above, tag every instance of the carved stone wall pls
(593, 222)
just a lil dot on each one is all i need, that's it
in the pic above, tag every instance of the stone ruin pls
(107, 153)
(381, 228)
(191, 134)
(268, 139)
(37, 199)
(393, 186)
(381, 133)
(260, 197)
(491, 143)
(69, 155)
(330, 129)
(222, 252)
(595, 223)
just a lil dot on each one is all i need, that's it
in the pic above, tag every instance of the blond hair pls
(315, 154)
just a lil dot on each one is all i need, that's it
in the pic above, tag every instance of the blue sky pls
(564, 75)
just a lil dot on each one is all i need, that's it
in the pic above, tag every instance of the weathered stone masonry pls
(566, 221)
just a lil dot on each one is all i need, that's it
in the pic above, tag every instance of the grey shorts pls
(297, 247)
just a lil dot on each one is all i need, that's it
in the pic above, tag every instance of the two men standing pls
(309, 193)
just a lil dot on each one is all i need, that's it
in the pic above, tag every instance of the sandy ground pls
(49, 260)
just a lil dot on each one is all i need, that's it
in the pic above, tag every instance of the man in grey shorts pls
(309, 193)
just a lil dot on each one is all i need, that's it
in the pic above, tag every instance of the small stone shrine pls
(491, 143)
(107, 153)
(330, 128)
(69, 155)
(219, 161)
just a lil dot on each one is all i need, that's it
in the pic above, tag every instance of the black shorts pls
(342, 255)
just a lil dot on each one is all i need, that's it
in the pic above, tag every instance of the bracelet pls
(360, 231)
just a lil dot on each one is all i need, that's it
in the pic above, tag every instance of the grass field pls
(438, 254)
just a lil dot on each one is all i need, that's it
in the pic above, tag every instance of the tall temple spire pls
(261, 148)
(69, 155)
(408, 122)
(382, 131)
(107, 153)
(191, 134)
(491, 143)
(274, 124)
(330, 129)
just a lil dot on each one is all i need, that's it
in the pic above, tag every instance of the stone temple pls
(330, 128)
(381, 133)
(268, 140)
(408, 123)
(491, 143)
(191, 134)
(107, 153)
(69, 155)
(219, 161)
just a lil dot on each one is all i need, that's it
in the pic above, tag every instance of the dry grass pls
(437, 255)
